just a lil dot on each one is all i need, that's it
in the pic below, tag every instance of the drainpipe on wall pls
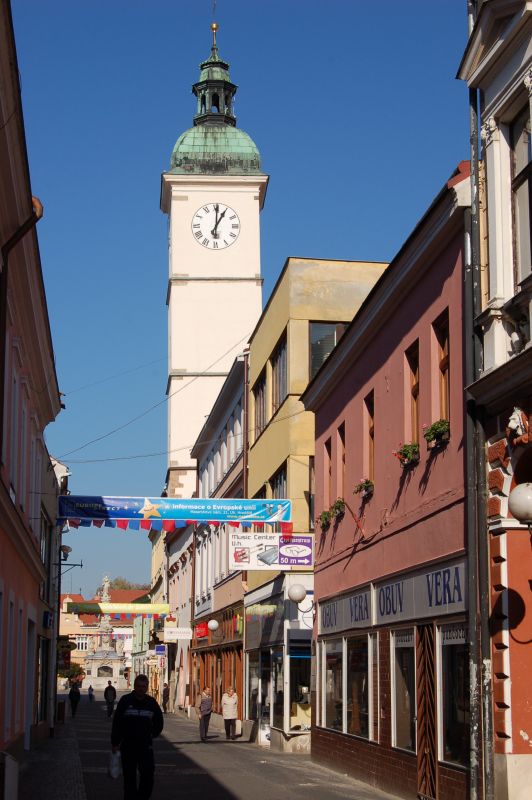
(480, 686)
(6, 249)
(245, 445)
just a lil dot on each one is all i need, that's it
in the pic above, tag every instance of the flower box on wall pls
(407, 454)
(437, 434)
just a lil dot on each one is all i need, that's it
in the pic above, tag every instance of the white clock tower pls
(213, 194)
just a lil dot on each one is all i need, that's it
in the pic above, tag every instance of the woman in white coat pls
(229, 712)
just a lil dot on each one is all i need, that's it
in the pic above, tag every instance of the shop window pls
(253, 690)
(279, 375)
(454, 699)
(324, 336)
(333, 711)
(521, 190)
(404, 690)
(357, 687)
(299, 686)
(278, 687)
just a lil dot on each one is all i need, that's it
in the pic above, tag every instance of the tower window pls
(215, 106)
(203, 104)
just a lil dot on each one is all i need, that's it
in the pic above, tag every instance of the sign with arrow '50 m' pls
(267, 551)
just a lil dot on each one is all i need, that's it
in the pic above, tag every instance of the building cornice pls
(169, 181)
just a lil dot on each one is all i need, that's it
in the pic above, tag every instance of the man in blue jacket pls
(137, 721)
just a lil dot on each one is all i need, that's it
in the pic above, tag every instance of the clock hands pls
(214, 231)
(216, 209)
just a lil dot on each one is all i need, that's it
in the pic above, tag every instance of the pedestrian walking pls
(74, 696)
(229, 712)
(91, 694)
(204, 710)
(137, 721)
(110, 696)
(166, 697)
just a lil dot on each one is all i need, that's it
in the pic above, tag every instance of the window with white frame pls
(454, 694)
(332, 689)
(82, 642)
(14, 431)
(521, 153)
(231, 439)
(238, 430)
(358, 686)
(404, 689)
(23, 449)
(346, 686)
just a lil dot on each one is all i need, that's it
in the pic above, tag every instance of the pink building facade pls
(391, 678)
(29, 480)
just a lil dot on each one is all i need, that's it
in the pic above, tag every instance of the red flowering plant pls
(408, 454)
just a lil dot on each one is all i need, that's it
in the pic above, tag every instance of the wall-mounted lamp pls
(213, 625)
(65, 550)
(297, 593)
(520, 505)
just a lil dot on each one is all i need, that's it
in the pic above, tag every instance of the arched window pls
(203, 104)
(105, 672)
(215, 105)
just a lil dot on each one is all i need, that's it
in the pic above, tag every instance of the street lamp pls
(520, 505)
(213, 625)
(297, 593)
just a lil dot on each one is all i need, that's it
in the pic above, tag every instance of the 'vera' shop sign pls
(437, 591)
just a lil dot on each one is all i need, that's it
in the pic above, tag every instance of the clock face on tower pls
(215, 226)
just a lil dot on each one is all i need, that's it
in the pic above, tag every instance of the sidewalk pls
(53, 770)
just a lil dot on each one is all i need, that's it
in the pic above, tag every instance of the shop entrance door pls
(265, 697)
(427, 755)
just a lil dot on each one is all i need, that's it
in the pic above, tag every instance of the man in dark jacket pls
(110, 696)
(138, 719)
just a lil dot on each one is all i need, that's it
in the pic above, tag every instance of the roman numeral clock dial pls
(215, 226)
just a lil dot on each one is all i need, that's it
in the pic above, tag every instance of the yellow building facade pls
(305, 316)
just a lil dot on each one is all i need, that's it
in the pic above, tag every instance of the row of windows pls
(223, 454)
(441, 333)
(348, 687)
(323, 337)
(23, 450)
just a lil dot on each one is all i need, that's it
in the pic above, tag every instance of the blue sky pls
(359, 120)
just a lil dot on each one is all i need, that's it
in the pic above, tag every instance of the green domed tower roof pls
(215, 146)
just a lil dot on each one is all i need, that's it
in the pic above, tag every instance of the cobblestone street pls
(73, 766)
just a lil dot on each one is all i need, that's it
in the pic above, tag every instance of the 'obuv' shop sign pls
(434, 592)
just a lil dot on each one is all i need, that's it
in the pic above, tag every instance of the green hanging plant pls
(324, 520)
(338, 508)
(437, 433)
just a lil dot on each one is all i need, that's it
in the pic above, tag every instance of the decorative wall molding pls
(489, 131)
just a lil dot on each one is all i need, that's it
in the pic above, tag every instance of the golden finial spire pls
(214, 28)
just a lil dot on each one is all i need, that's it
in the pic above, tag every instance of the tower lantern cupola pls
(214, 90)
